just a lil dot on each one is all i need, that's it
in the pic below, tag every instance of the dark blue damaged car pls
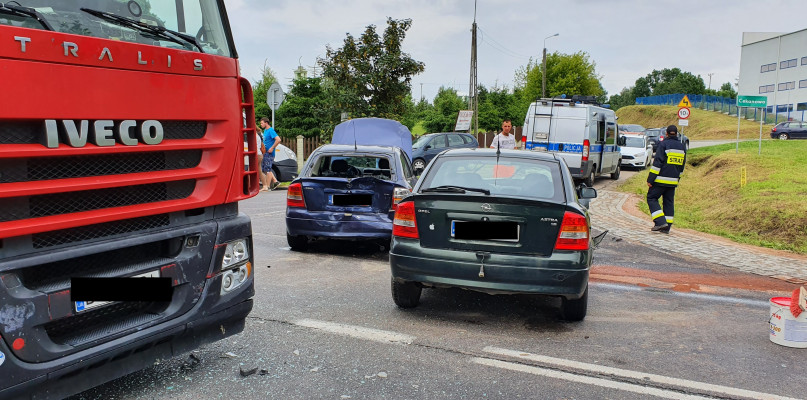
(349, 189)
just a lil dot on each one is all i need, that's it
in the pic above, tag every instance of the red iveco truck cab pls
(122, 157)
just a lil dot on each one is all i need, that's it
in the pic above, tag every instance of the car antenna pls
(498, 153)
(355, 146)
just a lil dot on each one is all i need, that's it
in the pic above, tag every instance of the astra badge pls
(486, 207)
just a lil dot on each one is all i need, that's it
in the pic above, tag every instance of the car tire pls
(297, 243)
(574, 310)
(405, 294)
(646, 163)
(783, 136)
(615, 174)
(686, 146)
(419, 163)
(277, 173)
(590, 180)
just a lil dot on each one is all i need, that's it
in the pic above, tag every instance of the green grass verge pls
(770, 210)
(418, 129)
(703, 125)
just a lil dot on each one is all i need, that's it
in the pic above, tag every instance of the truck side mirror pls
(622, 140)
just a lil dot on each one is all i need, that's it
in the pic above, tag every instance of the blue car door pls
(437, 145)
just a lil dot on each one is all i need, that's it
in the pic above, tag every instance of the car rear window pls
(352, 166)
(510, 176)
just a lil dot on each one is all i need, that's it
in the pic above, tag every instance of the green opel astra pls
(498, 222)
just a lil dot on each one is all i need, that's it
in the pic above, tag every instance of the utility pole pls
(710, 79)
(543, 73)
(421, 91)
(473, 102)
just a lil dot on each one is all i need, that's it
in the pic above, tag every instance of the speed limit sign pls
(683, 113)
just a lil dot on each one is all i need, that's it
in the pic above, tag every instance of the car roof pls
(348, 149)
(536, 155)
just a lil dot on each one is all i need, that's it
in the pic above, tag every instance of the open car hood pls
(374, 132)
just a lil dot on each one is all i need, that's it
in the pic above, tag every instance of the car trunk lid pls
(359, 195)
(481, 223)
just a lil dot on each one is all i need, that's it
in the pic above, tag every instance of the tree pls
(496, 105)
(727, 90)
(371, 75)
(259, 90)
(673, 81)
(569, 74)
(304, 111)
(624, 98)
(443, 117)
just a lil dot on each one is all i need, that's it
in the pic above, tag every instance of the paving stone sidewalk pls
(607, 213)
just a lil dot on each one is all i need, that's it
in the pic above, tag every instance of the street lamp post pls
(543, 73)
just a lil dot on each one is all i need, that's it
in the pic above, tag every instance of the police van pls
(579, 130)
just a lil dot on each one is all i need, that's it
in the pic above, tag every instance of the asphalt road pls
(324, 326)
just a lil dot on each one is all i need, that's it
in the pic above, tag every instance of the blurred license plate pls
(485, 230)
(89, 305)
(350, 199)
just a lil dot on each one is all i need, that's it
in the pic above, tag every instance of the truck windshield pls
(199, 19)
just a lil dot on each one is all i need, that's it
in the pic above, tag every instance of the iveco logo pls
(486, 207)
(103, 132)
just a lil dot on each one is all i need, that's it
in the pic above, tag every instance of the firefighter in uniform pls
(668, 166)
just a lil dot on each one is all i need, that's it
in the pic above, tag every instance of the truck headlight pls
(235, 253)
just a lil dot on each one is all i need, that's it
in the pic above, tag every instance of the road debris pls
(247, 372)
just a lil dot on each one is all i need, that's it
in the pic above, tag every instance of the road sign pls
(275, 96)
(683, 113)
(683, 122)
(752, 101)
(464, 120)
(685, 102)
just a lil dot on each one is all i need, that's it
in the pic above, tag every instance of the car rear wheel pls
(590, 180)
(405, 294)
(646, 163)
(574, 310)
(297, 243)
(783, 136)
(419, 164)
(277, 173)
(615, 174)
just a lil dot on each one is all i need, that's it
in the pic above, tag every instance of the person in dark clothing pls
(668, 166)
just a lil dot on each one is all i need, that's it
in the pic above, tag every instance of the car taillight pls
(574, 233)
(397, 195)
(586, 146)
(294, 195)
(773, 129)
(404, 224)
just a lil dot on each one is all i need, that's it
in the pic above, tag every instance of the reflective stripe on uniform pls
(674, 151)
(669, 219)
(655, 170)
(667, 180)
(657, 214)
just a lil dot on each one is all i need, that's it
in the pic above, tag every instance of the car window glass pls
(466, 139)
(439, 142)
(455, 140)
(516, 177)
(634, 142)
(407, 169)
(351, 166)
(421, 142)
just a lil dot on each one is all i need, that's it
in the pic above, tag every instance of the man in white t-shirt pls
(504, 140)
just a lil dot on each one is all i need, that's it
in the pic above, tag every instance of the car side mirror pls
(622, 140)
(428, 146)
(586, 192)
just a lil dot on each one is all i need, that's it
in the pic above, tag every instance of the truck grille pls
(107, 229)
(33, 132)
(17, 208)
(105, 321)
(40, 169)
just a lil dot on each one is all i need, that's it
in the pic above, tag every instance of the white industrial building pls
(775, 65)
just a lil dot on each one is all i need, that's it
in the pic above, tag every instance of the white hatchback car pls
(637, 151)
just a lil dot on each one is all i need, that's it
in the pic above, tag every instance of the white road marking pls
(549, 373)
(359, 332)
(641, 376)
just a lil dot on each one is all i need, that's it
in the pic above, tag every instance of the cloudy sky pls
(625, 38)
